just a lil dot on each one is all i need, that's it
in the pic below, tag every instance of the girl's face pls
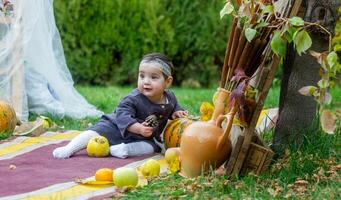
(152, 83)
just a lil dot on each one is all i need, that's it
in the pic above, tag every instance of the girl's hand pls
(180, 113)
(145, 130)
(141, 129)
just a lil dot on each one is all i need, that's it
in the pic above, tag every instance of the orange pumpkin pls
(8, 118)
(173, 131)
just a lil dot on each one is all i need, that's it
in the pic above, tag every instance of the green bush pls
(105, 40)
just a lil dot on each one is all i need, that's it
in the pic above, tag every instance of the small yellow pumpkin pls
(104, 174)
(98, 147)
(8, 118)
(173, 131)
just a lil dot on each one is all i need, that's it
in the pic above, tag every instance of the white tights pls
(121, 150)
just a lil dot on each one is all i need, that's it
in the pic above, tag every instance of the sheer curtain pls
(33, 73)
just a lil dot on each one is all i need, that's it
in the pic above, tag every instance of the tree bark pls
(297, 112)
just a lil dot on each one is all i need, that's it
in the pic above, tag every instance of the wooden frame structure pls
(250, 152)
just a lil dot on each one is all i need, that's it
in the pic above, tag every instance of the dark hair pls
(160, 56)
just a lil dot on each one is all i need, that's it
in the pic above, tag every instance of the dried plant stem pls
(245, 55)
(253, 52)
(234, 45)
(241, 45)
(227, 54)
(256, 58)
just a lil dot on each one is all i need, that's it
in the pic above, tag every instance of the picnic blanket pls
(29, 171)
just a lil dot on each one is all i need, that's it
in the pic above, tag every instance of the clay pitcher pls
(206, 145)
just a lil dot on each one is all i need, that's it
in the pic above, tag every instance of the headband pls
(165, 68)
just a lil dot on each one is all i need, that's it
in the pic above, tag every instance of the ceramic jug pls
(206, 145)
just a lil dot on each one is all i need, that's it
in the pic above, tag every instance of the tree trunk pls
(297, 112)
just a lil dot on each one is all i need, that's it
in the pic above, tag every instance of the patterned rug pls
(28, 170)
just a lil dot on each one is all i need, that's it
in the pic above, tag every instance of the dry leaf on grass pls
(239, 185)
(333, 172)
(299, 188)
(275, 189)
(320, 176)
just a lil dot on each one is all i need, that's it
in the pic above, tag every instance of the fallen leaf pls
(333, 172)
(301, 182)
(328, 121)
(92, 182)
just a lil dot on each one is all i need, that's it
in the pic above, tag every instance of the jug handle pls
(220, 120)
(226, 132)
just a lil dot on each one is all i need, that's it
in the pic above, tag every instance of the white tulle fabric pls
(30, 46)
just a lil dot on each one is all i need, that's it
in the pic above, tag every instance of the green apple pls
(125, 176)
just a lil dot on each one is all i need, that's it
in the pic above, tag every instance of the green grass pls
(310, 172)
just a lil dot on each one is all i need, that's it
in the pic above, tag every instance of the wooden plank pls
(295, 8)
(267, 161)
(234, 154)
(255, 159)
(269, 154)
